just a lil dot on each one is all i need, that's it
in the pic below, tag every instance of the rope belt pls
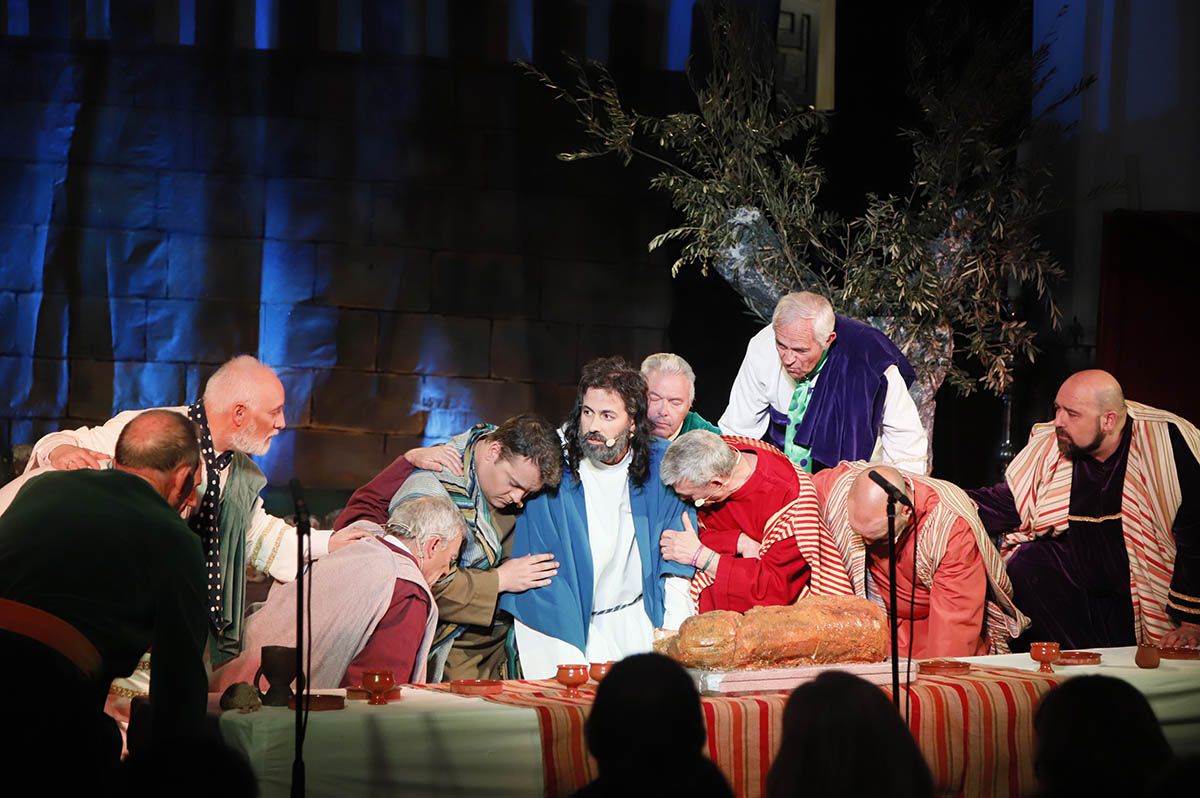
(52, 632)
(619, 606)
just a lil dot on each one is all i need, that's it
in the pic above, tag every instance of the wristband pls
(711, 556)
(696, 555)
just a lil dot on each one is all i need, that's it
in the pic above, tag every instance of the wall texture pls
(390, 231)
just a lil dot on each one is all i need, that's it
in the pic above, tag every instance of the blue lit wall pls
(358, 197)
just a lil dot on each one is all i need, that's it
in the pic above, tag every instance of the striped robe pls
(1002, 619)
(1040, 480)
(799, 521)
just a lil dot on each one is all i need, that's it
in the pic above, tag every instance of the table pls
(975, 731)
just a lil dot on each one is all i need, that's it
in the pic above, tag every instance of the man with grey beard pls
(613, 588)
(239, 414)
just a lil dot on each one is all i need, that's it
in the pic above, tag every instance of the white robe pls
(616, 581)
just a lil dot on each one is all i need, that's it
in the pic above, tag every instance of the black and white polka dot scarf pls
(204, 520)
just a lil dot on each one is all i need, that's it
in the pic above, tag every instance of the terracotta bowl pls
(320, 703)
(1179, 653)
(599, 670)
(943, 667)
(476, 686)
(1078, 658)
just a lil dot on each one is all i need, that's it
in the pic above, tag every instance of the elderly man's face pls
(262, 418)
(799, 351)
(603, 418)
(437, 557)
(669, 397)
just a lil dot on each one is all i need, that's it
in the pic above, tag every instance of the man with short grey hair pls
(372, 607)
(825, 388)
(671, 391)
(761, 540)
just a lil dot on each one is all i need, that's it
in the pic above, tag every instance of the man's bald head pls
(161, 447)
(243, 401)
(1089, 414)
(867, 504)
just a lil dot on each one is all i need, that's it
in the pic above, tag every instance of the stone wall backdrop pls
(363, 194)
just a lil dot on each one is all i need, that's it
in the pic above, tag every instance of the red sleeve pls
(775, 578)
(396, 641)
(956, 601)
(722, 541)
(370, 502)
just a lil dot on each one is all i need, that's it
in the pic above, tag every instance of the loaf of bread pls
(817, 630)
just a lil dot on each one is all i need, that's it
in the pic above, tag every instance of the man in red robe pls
(953, 596)
(761, 540)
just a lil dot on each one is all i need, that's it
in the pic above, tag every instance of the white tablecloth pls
(1173, 688)
(425, 744)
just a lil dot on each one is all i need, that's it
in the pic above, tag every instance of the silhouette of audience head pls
(646, 730)
(843, 737)
(1097, 735)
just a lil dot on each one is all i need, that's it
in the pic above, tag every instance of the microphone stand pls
(893, 615)
(303, 531)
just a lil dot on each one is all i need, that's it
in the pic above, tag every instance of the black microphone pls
(894, 493)
(298, 499)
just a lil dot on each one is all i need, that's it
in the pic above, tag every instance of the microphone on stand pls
(894, 493)
(303, 530)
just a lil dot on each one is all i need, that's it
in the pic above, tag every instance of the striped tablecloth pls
(976, 731)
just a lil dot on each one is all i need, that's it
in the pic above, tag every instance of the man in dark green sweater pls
(96, 566)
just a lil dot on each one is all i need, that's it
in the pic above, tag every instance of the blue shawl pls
(556, 523)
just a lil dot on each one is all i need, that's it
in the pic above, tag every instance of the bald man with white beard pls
(239, 415)
(1100, 514)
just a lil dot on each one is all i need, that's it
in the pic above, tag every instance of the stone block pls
(107, 328)
(32, 387)
(427, 344)
(355, 400)
(317, 336)
(455, 405)
(496, 286)
(292, 146)
(414, 89)
(154, 138)
(105, 262)
(554, 402)
(317, 210)
(397, 445)
(227, 143)
(37, 131)
(22, 251)
(297, 403)
(488, 96)
(44, 326)
(387, 278)
(213, 268)
(197, 378)
(145, 385)
(445, 218)
(332, 90)
(587, 292)
(27, 192)
(572, 227)
(91, 388)
(654, 287)
(322, 459)
(632, 343)
(8, 328)
(288, 271)
(106, 196)
(218, 205)
(536, 351)
(198, 331)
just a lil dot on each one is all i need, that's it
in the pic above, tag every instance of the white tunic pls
(763, 382)
(616, 582)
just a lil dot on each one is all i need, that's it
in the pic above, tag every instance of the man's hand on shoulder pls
(436, 458)
(345, 537)
(523, 573)
(748, 547)
(1186, 636)
(70, 458)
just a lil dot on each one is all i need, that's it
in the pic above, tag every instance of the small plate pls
(1078, 658)
(943, 667)
(476, 686)
(363, 694)
(321, 703)
(1179, 653)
